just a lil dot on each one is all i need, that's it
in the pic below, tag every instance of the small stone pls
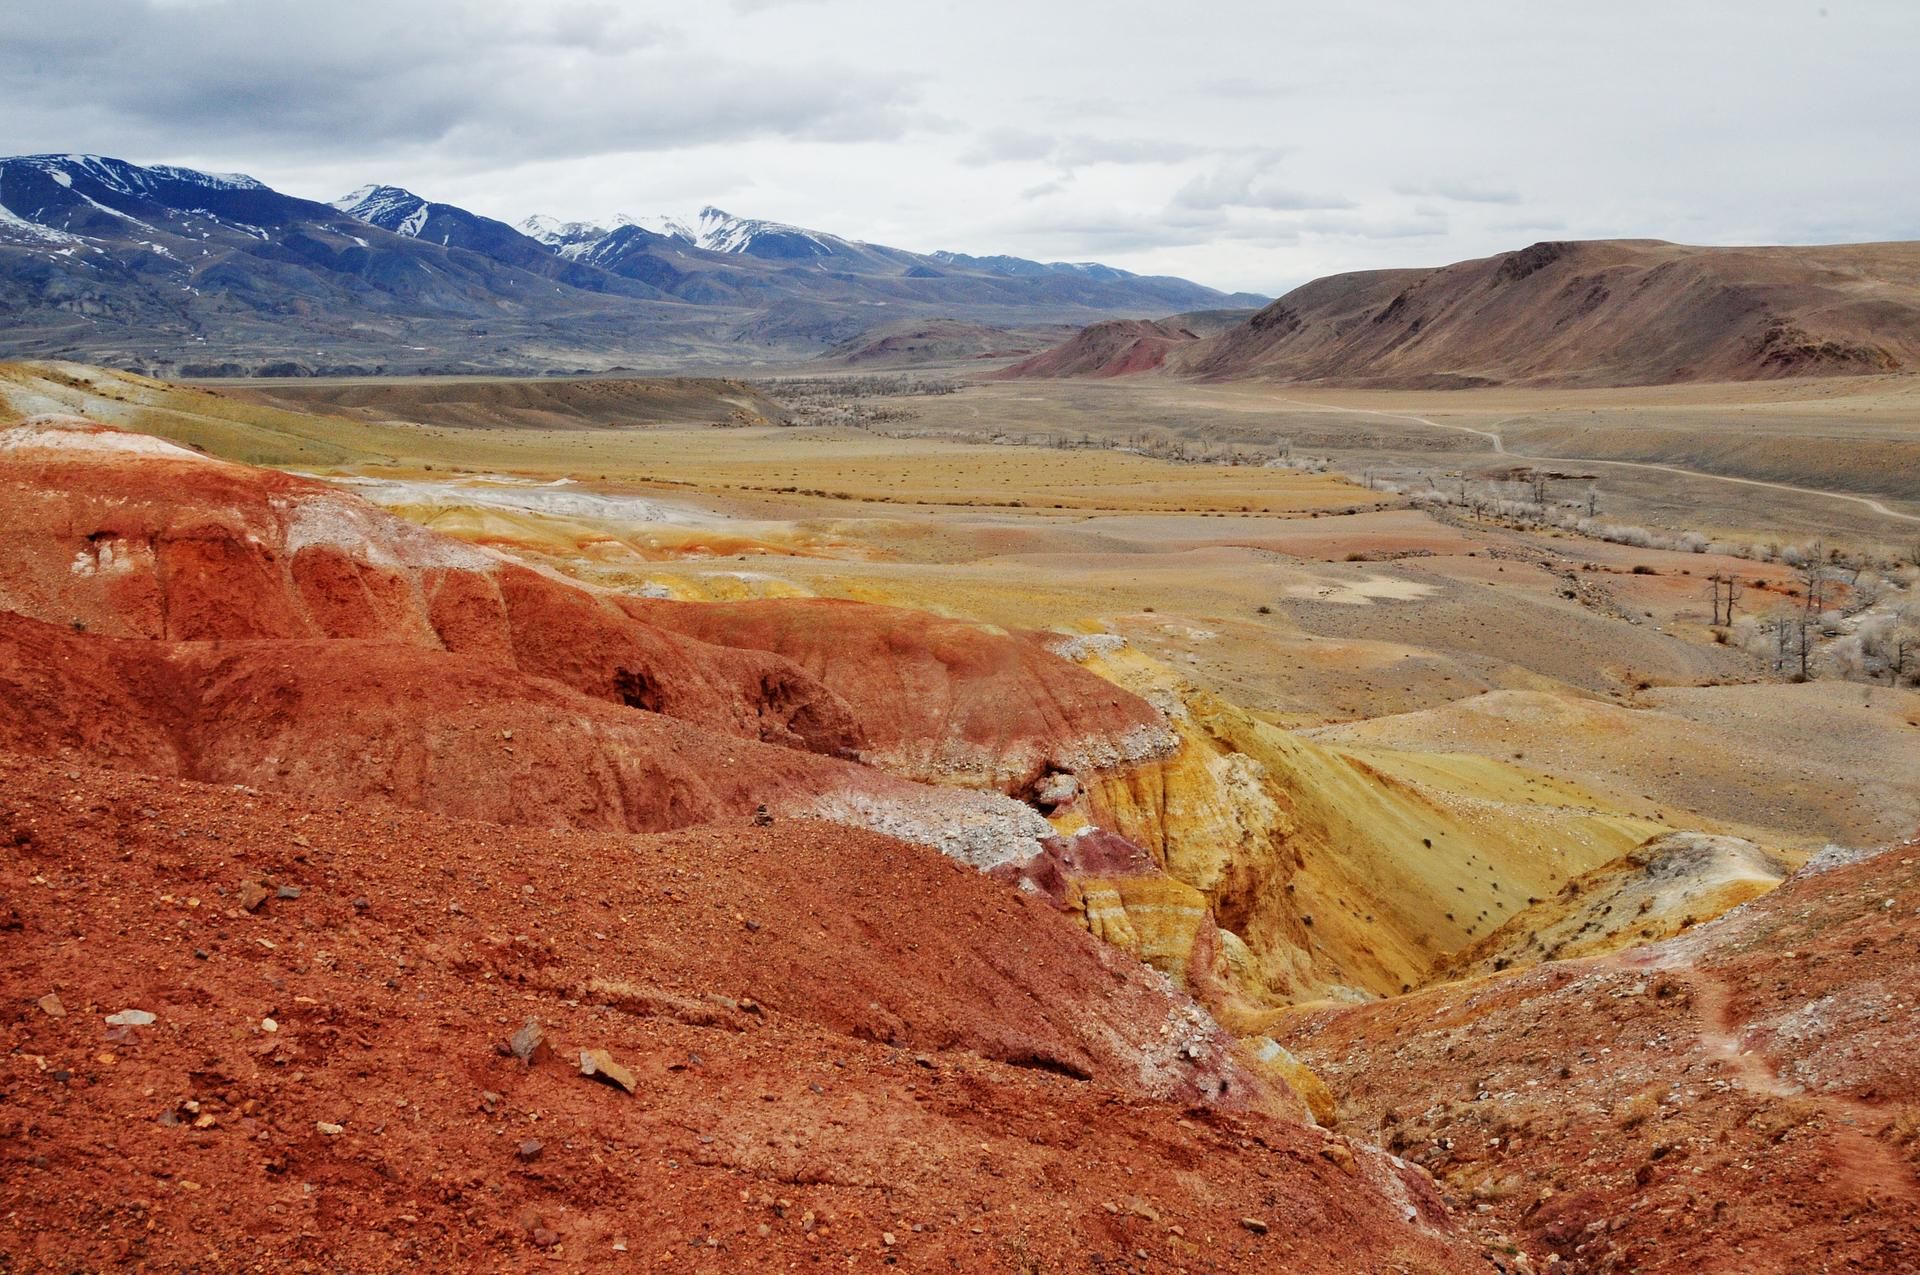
(886, 1237)
(199, 953)
(545, 1236)
(619, 1243)
(599, 1064)
(531, 1149)
(762, 817)
(529, 1044)
(130, 1018)
(205, 1121)
(329, 1129)
(287, 892)
(362, 903)
(1254, 1224)
(268, 1025)
(1341, 1156)
(252, 895)
(50, 1006)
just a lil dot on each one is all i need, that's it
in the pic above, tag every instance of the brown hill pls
(1600, 312)
(926, 341)
(1120, 347)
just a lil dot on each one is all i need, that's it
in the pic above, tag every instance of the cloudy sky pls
(1244, 143)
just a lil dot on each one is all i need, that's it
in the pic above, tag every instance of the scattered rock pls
(287, 892)
(545, 1236)
(529, 1044)
(329, 1129)
(531, 1149)
(1254, 1224)
(762, 817)
(1339, 1154)
(130, 1018)
(50, 1006)
(599, 1064)
(252, 895)
(269, 1025)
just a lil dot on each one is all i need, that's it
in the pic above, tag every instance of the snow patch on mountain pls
(388, 207)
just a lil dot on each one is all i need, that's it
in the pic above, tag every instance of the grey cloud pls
(1461, 192)
(1248, 181)
(495, 84)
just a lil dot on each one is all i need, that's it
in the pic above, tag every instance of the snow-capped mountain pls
(159, 266)
(711, 230)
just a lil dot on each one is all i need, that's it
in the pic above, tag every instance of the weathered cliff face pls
(940, 700)
(1654, 891)
(1330, 872)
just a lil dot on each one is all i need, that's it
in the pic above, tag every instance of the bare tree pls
(1811, 572)
(1726, 592)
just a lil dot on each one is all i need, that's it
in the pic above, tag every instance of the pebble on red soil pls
(252, 895)
(50, 1006)
(529, 1044)
(531, 1149)
(599, 1064)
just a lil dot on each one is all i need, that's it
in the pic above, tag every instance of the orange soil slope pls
(1742, 1098)
(845, 1052)
(374, 721)
(940, 700)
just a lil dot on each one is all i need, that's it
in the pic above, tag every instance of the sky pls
(1247, 144)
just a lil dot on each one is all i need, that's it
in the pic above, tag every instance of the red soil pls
(937, 699)
(1743, 1098)
(847, 1051)
(356, 720)
(128, 537)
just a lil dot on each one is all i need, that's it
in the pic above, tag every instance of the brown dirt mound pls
(939, 700)
(1744, 1097)
(844, 1050)
(1119, 347)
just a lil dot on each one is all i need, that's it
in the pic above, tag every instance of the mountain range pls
(1589, 312)
(183, 272)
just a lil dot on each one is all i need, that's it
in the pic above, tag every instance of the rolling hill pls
(1590, 313)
